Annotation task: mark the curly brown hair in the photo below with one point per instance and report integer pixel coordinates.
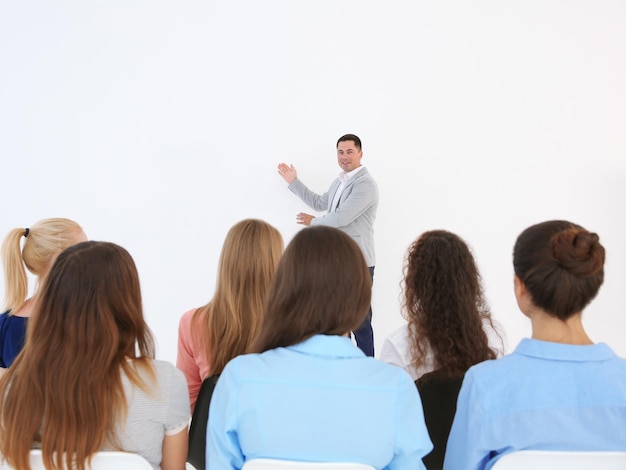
(444, 304)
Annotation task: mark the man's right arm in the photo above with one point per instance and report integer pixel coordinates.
(310, 198)
(288, 172)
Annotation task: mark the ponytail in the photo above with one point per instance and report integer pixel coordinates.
(15, 280)
(44, 241)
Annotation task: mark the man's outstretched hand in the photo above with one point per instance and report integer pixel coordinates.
(288, 172)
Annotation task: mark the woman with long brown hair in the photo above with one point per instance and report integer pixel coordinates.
(86, 379)
(210, 336)
(309, 393)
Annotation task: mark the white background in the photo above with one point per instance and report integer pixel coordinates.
(158, 125)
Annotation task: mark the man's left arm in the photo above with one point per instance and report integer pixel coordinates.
(362, 195)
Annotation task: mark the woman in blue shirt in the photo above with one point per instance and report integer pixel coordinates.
(309, 394)
(43, 242)
(557, 390)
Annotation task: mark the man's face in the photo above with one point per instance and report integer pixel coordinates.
(348, 155)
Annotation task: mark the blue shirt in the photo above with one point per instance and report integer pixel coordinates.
(321, 400)
(543, 396)
(12, 337)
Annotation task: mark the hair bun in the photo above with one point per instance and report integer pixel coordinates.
(578, 251)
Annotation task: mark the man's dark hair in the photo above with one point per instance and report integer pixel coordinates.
(352, 137)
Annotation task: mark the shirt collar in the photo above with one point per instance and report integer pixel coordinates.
(328, 345)
(564, 352)
(345, 177)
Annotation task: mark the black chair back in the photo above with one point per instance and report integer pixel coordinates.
(197, 431)
(439, 394)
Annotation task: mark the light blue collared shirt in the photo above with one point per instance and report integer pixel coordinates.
(320, 400)
(543, 396)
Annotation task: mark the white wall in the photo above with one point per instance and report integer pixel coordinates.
(157, 125)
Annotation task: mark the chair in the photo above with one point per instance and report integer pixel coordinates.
(100, 461)
(197, 430)
(272, 464)
(552, 459)
(439, 393)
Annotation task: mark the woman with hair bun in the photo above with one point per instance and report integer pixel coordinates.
(42, 244)
(557, 390)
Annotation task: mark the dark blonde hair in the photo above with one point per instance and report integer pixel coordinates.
(444, 304)
(230, 321)
(65, 387)
(42, 243)
(322, 286)
(561, 264)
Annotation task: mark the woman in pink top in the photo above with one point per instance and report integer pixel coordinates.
(210, 336)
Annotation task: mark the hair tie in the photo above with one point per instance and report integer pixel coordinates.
(26, 232)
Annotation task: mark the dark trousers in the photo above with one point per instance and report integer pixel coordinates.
(364, 334)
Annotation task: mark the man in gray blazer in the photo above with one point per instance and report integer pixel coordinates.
(350, 204)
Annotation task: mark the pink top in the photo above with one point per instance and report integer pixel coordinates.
(191, 359)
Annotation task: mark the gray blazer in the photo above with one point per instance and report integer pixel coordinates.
(355, 213)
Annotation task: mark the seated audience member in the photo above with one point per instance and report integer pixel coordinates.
(210, 336)
(399, 348)
(42, 244)
(309, 394)
(447, 317)
(557, 390)
(86, 379)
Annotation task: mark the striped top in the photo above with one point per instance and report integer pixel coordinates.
(165, 411)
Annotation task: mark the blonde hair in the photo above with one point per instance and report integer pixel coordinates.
(87, 330)
(227, 325)
(43, 243)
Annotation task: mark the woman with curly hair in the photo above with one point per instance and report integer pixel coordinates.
(448, 318)
(445, 306)
(558, 390)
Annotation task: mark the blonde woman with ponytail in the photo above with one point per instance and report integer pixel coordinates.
(43, 242)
